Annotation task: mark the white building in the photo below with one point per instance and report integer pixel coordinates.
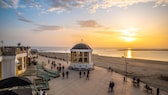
(81, 57)
(13, 61)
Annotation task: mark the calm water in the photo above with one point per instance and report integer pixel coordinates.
(159, 55)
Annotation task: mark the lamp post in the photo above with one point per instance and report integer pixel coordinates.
(2, 45)
(125, 60)
(66, 56)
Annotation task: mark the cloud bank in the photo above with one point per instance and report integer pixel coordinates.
(89, 23)
(68, 5)
(40, 28)
(23, 19)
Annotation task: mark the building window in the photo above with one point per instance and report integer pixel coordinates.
(86, 54)
(80, 59)
(85, 60)
(24, 62)
(20, 64)
(20, 67)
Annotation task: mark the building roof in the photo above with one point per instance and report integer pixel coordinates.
(81, 46)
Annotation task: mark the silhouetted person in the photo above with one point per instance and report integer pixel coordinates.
(48, 61)
(67, 73)
(138, 80)
(109, 69)
(51, 67)
(63, 68)
(133, 78)
(87, 76)
(54, 65)
(80, 73)
(60, 68)
(57, 68)
(84, 73)
(110, 85)
(44, 92)
(88, 72)
(63, 75)
(157, 91)
(124, 79)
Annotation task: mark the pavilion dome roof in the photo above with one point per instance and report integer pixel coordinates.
(81, 46)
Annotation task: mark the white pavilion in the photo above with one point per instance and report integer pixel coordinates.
(81, 57)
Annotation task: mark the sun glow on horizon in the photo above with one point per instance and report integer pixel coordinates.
(128, 39)
(129, 34)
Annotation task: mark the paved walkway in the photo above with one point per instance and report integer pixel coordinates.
(96, 85)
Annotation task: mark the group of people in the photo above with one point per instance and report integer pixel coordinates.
(84, 72)
(136, 81)
(111, 86)
(63, 74)
(53, 65)
(60, 68)
(147, 87)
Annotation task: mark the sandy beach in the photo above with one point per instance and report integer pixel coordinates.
(148, 71)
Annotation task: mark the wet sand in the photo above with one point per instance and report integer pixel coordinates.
(147, 70)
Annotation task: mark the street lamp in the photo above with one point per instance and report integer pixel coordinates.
(125, 60)
(66, 55)
(2, 44)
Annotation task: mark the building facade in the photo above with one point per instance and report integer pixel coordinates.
(81, 57)
(13, 61)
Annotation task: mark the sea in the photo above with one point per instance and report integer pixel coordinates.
(148, 54)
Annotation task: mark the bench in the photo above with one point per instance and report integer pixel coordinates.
(135, 83)
(148, 89)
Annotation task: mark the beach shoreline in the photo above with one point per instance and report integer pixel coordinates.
(149, 71)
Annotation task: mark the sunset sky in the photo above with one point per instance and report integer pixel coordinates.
(99, 23)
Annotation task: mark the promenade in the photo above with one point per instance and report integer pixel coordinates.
(97, 84)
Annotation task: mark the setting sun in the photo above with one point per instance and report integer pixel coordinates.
(128, 39)
(128, 35)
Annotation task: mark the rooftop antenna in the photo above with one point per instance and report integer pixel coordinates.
(2, 42)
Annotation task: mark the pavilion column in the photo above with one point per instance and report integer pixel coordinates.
(82, 57)
(22, 58)
(90, 57)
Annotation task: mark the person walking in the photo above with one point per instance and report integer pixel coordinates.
(67, 73)
(88, 72)
(80, 73)
(63, 75)
(62, 68)
(43, 92)
(84, 73)
(112, 86)
(124, 79)
(48, 61)
(157, 91)
(87, 76)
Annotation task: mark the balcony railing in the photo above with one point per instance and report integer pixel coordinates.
(6, 51)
